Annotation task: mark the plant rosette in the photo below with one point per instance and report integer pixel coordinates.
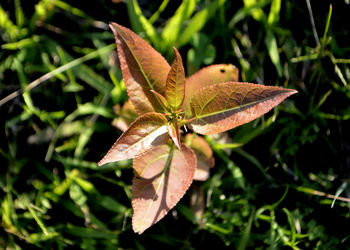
(210, 101)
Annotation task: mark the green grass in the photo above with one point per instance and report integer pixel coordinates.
(279, 181)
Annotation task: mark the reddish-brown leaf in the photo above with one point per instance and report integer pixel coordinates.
(175, 84)
(174, 132)
(143, 69)
(126, 115)
(163, 102)
(204, 155)
(162, 177)
(147, 132)
(208, 76)
(224, 106)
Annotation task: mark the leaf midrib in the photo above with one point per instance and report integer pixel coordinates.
(137, 61)
(161, 181)
(146, 137)
(231, 109)
(177, 101)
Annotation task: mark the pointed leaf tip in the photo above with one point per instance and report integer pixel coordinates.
(162, 177)
(223, 106)
(164, 103)
(175, 83)
(143, 69)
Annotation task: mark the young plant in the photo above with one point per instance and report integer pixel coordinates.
(210, 101)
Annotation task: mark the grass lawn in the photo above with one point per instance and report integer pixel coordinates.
(280, 181)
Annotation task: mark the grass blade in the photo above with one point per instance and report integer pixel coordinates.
(59, 70)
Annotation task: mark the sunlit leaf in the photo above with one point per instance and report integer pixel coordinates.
(208, 76)
(272, 48)
(224, 106)
(254, 9)
(143, 69)
(163, 102)
(274, 14)
(147, 132)
(162, 177)
(204, 155)
(174, 132)
(175, 84)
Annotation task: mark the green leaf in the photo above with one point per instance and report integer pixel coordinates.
(7, 25)
(156, 14)
(77, 195)
(24, 43)
(175, 83)
(246, 11)
(162, 177)
(257, 13)
(243, 243)
(224, 106)
(62, 187)
(274, 14)
(172, 29)
(20, 19)
(143, 69)
(140, 23)
(198, 21)
(147, 132)
(271, 44)
(91, 108)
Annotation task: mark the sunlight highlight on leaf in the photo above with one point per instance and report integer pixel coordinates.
(143, 69)
(147, 132)
(175, 83)
(224, 106)
(208, 76)
(162, 177)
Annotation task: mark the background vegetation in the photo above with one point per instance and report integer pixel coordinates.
(275, 178)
